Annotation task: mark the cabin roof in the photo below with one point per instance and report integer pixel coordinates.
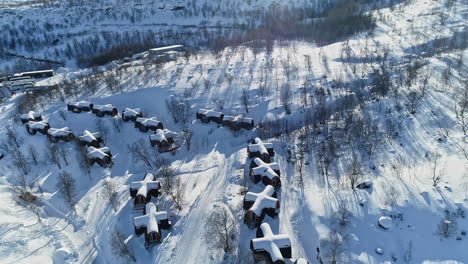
(262, 200)
(64, 131)
(107, 107)
(89, 136)
(209, 112)
(99, 153)
(132, 112)
(148, 183)
(150, 219)
(81, 104)
(158, 136)
(37, 124)
(30, 115)
(259, 146)
(167, 48)
(152, 121)
(261, 163)
(271, 243)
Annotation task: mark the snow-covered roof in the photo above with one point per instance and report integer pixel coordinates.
(132, 112)
(229, 118)
(147, 184)
(81, 104)
(99, 153)
(261, 163)
(259, 146)
(37, 124)
(89, 136)
(166, 48)
(246, 119)
(150, 219)
(158, 136)
(271, 243)
(152, 121)
(57, 132)
(262, 200)
(265, 170)
(107, 107)
(385, 222)
(30, 115)
(209, 112)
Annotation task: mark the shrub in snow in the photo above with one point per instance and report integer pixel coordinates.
(364, 185)
(385, 222)
(446, 227)
(379, 251)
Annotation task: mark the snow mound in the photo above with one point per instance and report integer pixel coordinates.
(385, 222)
(62, 255)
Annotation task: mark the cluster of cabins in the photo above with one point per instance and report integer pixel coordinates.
(164, 139)
(266, 246)
(152, 221)
(234, 123)
(95, 152)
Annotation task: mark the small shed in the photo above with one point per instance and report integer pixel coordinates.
(57, 134)
(37, 126)
(259, 149)
(30, 116)
(207, 116)
(90, 139)
(260, 204)
(145, 124)
(108, 109)
(101, 156)
(129, 114)
(270, 247)
(78, 107)
(151, 224)
(142, 190)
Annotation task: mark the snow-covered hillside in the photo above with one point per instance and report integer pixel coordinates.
(387, 108)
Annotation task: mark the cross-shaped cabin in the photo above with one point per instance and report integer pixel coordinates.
(30, 116)
(261, 150)
(90, 139)
(164, 139)
(129, 114)
(273, 248)
(145, 124)
(77, 107)
(101, 156)
(142, 191)
(57, 134)
(101, 110)
(151, 223)
(259, 204)
(268, 173)
(207, 116)
(40, 126)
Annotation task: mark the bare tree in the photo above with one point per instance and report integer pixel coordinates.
(20, 161)
(12, 136)
(221, 229)
(245, 99)
(447, 226)
(66, 186)
(354, 170)
(110, 190)
(334, 247)
(63, 151)
(53, 153)
(33, 154)
(171, 184)
(342, 215)
(285, 97)
(25, 195)
(82, 157)
(120, 245)
(437, 168)
(187, 135)
(102, 129)
(141, 153)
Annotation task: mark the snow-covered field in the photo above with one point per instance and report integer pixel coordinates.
(215, 169)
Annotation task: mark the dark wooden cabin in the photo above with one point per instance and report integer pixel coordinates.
(31, 116)
(40, 126)
(37, 74)
(90, 139)
(164, 139)
(235, 123)
(207, 116)
(129, 114)
(246, 123)
(151, 224)
(78, 107)
(145, 124)
(269, 247)
(266, 174)
(101, 156)
(102, 110)
(259, 149)
(260, 204)
(142, 190)
(57, 134)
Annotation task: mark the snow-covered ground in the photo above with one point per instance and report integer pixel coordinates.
(215, 169)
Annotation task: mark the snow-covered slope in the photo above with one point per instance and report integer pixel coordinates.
(408, 143)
